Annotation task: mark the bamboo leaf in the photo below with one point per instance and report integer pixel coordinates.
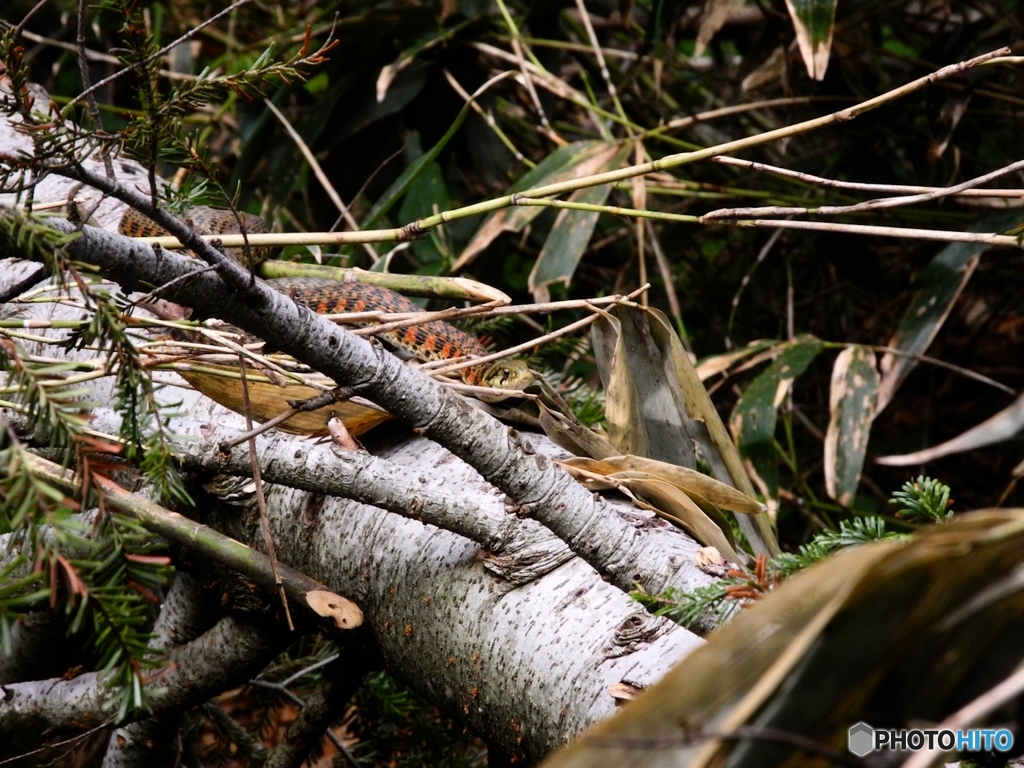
(753, 419)
(1005, 425)
(851, 404)
(572, 161)
(572, 230)
(938, 287)
(688, 480)
(888, 632)
(814, 23)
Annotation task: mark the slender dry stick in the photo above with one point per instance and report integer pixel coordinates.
(222, 342)
(517, 49)
(572, 327)
(20, 29)
(94, 55)
(261, 499)
(551, 83)
(867, 205)
(666, 276)
(565, 45)
(603, 66)
(966, 372)
(972, 713)
(322, 400)
(91, 105)
(714, 114)
(158, 54)
(761, 256)
(320, 175)
(640, 201)
(534, 196)
(820, 181)
(940, 235)
(488, 117)
(446, 314)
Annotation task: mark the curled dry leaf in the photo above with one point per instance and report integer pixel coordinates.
(568, 433)
(657, 407)
(671, 503)
(688, 480)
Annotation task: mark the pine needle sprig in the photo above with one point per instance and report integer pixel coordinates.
(924, 500)
(703, 604)
(111, 590)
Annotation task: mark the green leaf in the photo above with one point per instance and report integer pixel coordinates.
(753, 419)
(851, 404)
(582, 158)
(814, 22)
(572, 230)
(939, 286)
(427, 196)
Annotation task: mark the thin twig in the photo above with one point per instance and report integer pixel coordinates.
(488, 117)
(517, 50)
(602, 65)
(868, 205)
(971, 713)
(714, 114)
(965, 372)
(261, 500)
(94, 55)
(571, 328)
(761, 256)
(320, 175)
(666, 277)
(941, 235)
(821, 181)
(687, 158)
(91, 105)
(20, 29)
(315, 403)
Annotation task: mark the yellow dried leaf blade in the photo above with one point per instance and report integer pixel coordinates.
(898, 632)
(267, 400)
(595, 481)
(688, 480)
(644, 405)
(703, 689)
(1005, 425)
(573, 436)
(715, 364)
(670, 502)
